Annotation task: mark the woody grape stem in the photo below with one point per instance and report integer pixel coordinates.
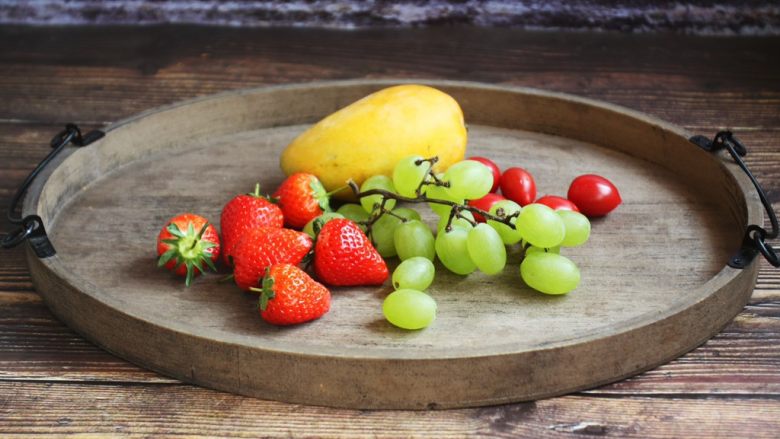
(422, 198)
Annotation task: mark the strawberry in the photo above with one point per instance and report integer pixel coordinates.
(185, 243)
(302, 198)
(344, 256)
(243, 213)
(289, 296)
(263, 247)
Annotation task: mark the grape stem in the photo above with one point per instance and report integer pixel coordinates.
(436, 181)
(378, 213)
(455, 212)
(457, 208)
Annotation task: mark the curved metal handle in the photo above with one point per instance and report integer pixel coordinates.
(754, 240)
(31, 227)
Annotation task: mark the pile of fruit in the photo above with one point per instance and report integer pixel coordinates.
(265, 240)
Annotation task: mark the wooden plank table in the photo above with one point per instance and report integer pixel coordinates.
(53, 381)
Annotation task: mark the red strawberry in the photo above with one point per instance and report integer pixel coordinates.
(344, 256)
(185, 243)
(243, 213)
(302, 198)
(264, 246)
(289, 296)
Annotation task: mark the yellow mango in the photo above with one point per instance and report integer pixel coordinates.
(369, 136)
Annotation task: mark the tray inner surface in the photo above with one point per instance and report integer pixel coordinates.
(662, 242)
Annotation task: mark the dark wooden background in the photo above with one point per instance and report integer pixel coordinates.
(53, 381)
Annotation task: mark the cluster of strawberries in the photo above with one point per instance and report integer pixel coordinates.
(262, 244)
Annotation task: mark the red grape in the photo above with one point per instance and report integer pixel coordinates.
(594, 195)
(493, 168)
(518, 185)
(485, 203)
(557, 203)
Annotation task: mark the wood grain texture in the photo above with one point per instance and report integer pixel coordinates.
(494, 339)
(193, 412)
(171, 64)
(699, 83)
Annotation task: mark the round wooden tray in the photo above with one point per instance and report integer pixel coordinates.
(655, 281)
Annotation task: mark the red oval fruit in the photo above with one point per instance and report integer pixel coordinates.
(594, 195)
(518, 185)
(557, 203)
(485, 203)
(493, 168)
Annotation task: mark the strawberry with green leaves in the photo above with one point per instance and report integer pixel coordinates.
(302, 198)
(289, 296)
(187, 244)
(262, 247)
(344, 256)
(243, 213)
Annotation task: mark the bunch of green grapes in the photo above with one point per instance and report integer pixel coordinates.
(461, 244)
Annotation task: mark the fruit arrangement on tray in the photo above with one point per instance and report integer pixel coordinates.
(401, 145)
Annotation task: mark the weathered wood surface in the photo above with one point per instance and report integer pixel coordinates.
(494, 341)
(168, 410)
(700, 83)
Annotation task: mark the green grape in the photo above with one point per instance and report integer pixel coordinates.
(469, 179)
(577, 228)
(540, 226)
(414, 238)
(324, 218)
(352, 211)
(441, 193)
(532, 249)
(415, 273)
(508, 234)
(486, 249)
(382, 233)
(408, 175)
(376, 182)
(549, 273)
(460, 223)
(383, 230)
(451, 248)
(407, 213)
(409, 309)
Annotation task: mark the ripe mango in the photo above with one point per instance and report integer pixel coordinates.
(370, 135)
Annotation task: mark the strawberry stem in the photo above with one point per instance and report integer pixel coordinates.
(202, 230)
(337, 190)
(267, 291)
(319, 194)
(227, 278)
(188, 248)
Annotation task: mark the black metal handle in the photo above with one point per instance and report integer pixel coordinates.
(754, 240)
(31, 227)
